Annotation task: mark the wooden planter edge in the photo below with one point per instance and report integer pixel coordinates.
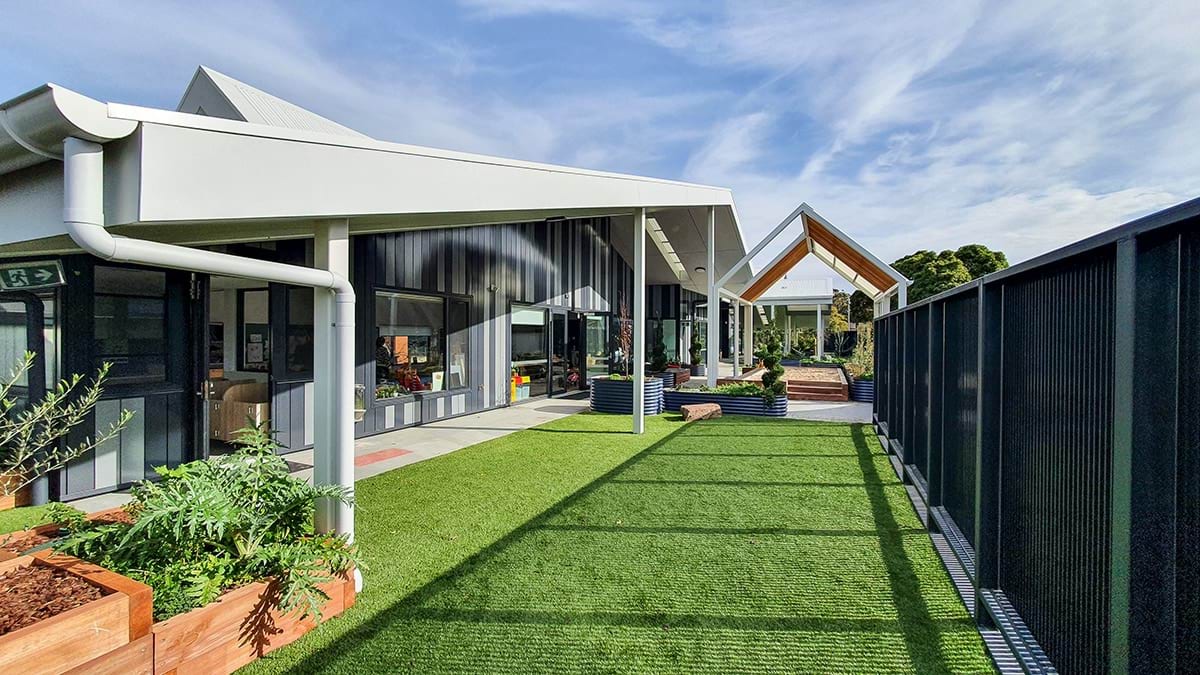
(226, 635)
(88, 633)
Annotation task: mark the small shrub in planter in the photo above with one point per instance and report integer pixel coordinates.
(614, 394)
(210, 525)
(740, 398)
(30, 439)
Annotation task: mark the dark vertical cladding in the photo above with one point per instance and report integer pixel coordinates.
(1058, 402)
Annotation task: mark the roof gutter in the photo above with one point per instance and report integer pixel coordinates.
(51, 121)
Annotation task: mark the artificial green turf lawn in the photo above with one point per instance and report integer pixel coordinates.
(738, 544)
(20, 518)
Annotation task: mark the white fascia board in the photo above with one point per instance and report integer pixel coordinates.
(267, 177)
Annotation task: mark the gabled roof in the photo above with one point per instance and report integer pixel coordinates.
(215, 94)
(833, 247)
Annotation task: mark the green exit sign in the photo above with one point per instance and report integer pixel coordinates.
(26, 276)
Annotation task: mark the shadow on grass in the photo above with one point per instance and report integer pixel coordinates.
(916, 627)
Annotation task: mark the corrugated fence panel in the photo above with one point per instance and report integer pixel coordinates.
(960, 378)
(1056, 450)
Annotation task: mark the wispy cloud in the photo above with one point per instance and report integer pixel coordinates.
(1021, 124)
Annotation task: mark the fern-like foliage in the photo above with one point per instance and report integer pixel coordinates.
(211, 525)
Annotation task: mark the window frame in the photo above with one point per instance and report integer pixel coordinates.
(445, 298)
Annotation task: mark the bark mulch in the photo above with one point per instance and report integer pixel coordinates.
(35, 592)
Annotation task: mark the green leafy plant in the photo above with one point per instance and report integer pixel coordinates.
(211, 525)
(390, 390)
(695, 348)
(30, 439)
(804, 341)
(861, 363)
(658, 357)
(730, 389)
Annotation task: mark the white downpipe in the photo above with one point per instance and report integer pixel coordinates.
(820, 346)
(83, 215)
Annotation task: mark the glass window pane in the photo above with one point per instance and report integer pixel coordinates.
(300, 330)
(458, 344)
(409, 343)
(255, 308)
(129, 327)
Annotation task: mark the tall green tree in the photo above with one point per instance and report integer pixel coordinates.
(862, 308)
(981, 260)
(931, 273)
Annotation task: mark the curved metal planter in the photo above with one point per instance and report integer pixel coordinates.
(862, 390)
(730, 405)
(616, 396)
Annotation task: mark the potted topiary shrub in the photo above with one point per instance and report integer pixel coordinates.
(697, 367)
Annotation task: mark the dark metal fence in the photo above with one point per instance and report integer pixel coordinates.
(1049, 414)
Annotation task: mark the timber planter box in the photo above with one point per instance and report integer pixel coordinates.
(730, 405)
(108, 635)
(241, 626)
(616, 396)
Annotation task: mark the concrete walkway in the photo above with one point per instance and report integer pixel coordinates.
(376, 454)
(850, 412)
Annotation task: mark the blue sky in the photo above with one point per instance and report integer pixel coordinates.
(1021, 125)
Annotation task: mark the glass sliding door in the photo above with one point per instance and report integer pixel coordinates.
(595, 345)
(530, 342)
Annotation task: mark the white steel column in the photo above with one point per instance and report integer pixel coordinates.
(787, 335)
(712, 338)
(639, 321)
(820, 350)
(748, 340)
(737, 333)
(333, 457)
(901, 295)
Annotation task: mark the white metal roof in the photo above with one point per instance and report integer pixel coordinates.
(195, 179)
(217, 95)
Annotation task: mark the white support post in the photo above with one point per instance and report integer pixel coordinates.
(639, 321)
(748, 340)
(333, 447)
(902, 295)
(820, 334)
(712, 339)
(737, 332)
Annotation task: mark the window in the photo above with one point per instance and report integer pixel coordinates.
(299, 359)
(458, 343)
(130, 324)
(254, 323)
(414, 351)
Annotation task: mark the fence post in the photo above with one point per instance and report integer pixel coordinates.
(934, 421)
(988, 443)
(1124, 350)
